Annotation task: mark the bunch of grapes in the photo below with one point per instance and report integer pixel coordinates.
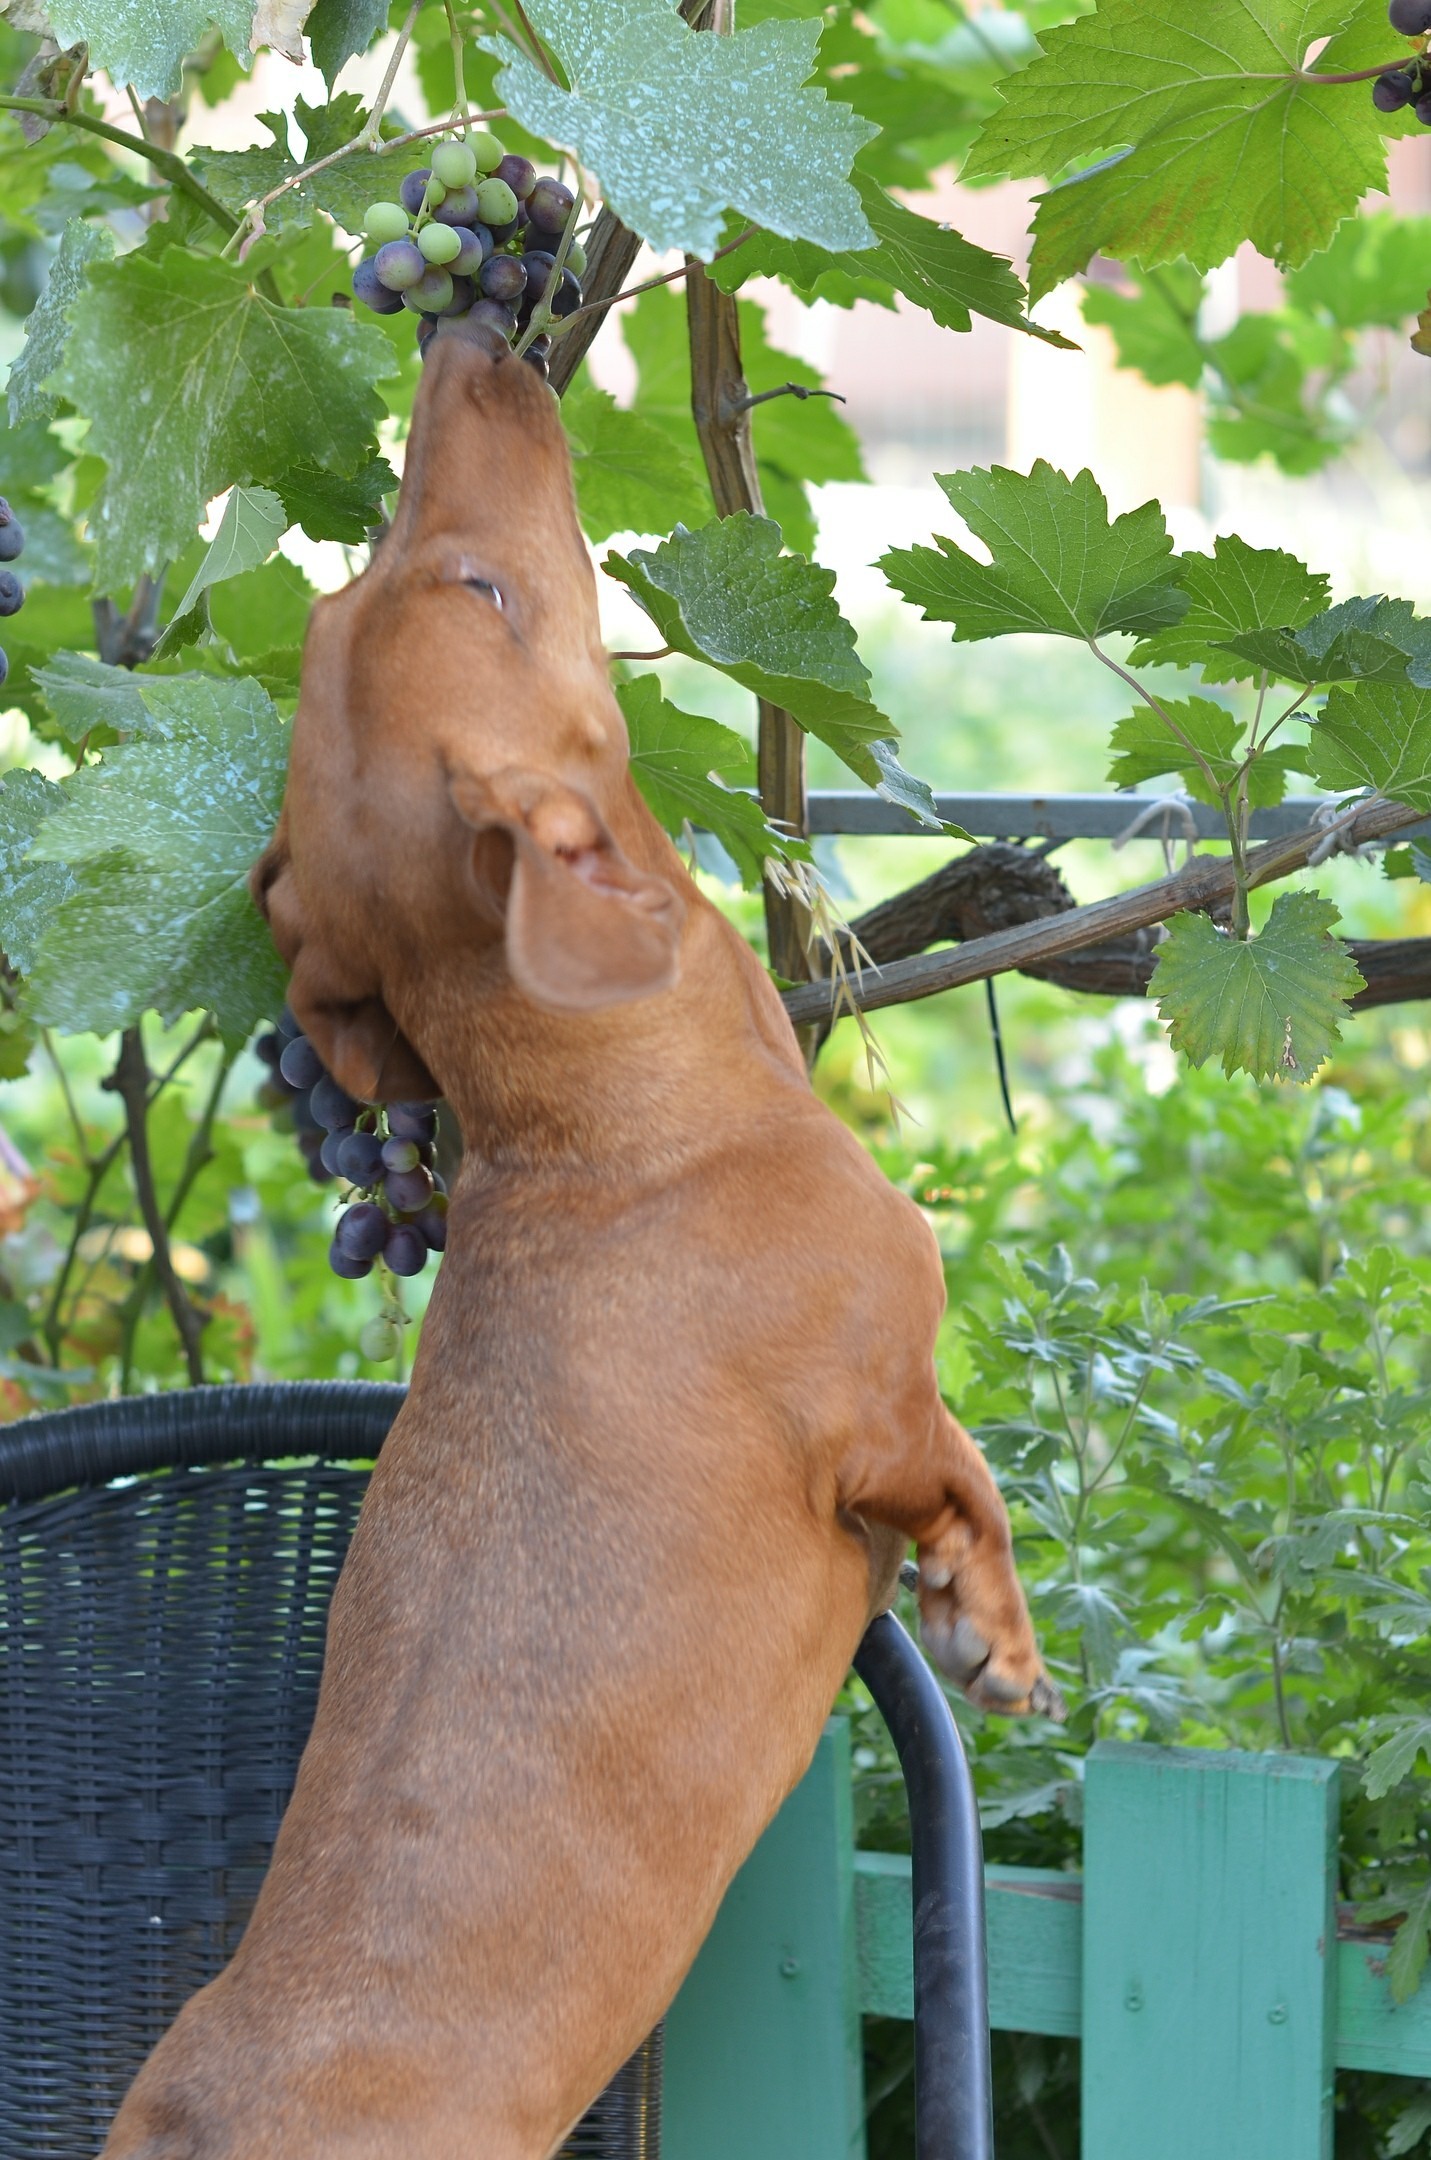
(1409, 85)
(12, 592)
(396, 1206)
(474, 234)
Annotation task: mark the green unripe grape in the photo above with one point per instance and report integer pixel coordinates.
(454, 164)
(385, 221)
(440, 243)
(431, 294)
(496, 204)
(487, 152)
(436, 193)
(576, 258)
(380, 1340)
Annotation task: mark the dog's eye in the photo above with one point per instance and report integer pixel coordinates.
(486, 587)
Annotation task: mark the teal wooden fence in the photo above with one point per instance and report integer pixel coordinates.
(1200, 1958)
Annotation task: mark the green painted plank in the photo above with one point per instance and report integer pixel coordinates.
(1373, 2032)
(1034, 1925)
(1208, 1987)
(763, 2056)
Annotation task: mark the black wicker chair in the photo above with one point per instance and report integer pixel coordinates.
(165, 1567)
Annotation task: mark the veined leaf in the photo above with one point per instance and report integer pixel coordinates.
(336, 506)
(629, 475)
(147, 45)
(1231, 593)
(193, 381)
(1154, 326)
(1375, 735)
(1145, 748)
(253, 523)
(1229, 141)
(30, 892)
(1059, 565)
(1272, 1005)
(1375, 640)
(338, 30)
(1373, 272)
(1396, 1757)
(47, 327)
(86, 696)
(679, 128)
(343, 191)
(674, 759)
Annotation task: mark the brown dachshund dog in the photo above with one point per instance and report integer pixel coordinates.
(674, 1418)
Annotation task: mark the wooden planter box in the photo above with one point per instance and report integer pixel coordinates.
(1197, 1958)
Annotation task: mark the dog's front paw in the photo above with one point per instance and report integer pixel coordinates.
(976, 1627)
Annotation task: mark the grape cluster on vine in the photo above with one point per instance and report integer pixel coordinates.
(1409, 85)
(12, 592)
(476, 234)
(396, 1207)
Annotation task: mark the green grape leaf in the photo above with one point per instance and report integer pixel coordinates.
(30, 892)
(336, 506)
(1371, 639)
(46, 326)
(1229, 140)
(338, 30)
(1059, 566)
(84, 696)
(1374, 735)
(726, 595)
(343, 191)
(675, 757)
(253, 523)
(678, 127)
(1272, 1005)
(263, 612)
(31, 458)
(138, 43)
(629, 475)
(1373, 273)
(160, 837)
(192, 381)
(1154, 324)
(948, 276)
(1144, 748)
(1235, 591)
(1274, 380)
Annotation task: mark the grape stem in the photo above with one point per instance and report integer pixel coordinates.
(667, 277)
(662, 652)
(541, 315)
(1388, 67)
(459, 70)
(790, 389)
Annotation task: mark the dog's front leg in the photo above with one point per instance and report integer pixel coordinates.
(974, 1616)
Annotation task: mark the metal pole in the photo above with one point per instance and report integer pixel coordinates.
(953, 2079)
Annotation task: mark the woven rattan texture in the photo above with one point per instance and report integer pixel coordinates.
(161, 1639)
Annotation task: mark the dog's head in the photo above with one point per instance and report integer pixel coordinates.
(459, 789)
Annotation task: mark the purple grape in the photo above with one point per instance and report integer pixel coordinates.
(370, 289)
(332, 1148)
(12, 593)
(311, 1147)
(304, 1123)
(414, 189)
(539, 348)
(400, 264)
(501, 234)
(464, 292)
(400, 1154)
(287, 1026)
(1411, 17)
(459, 207)
(362, 1230)
(301, 1065)
(426, 332)
(412, 1121)
(519, 173)
(538, 267)
(567, 297)
(495, 317)
(333, 1105)
(1422, 109)
(503, 278)
(408, 1190)
(360, 1159)
(431, 294)
(405, 1249)
(476, 249)
(345, 1266)
(432, 1222)
(536, 361)
(269, 1047)
(549, 205)
(12, 533)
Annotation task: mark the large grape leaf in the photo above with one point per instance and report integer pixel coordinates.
(30, 892)
(1059, 565)
(1228, 139)
(1144, 748)
(340, 29)
(629, 475)
(726, 595)
(1373, 273)
(1234, 592)
(193, 381)
(160, 838)
(1375, 735)
(31, 459)
(1366, 639)
(937, 268)
(675, 759)
(86, 697)
(46, 327)
(145, 42)
(1271, 1006)
(253, 523)
(679, 127)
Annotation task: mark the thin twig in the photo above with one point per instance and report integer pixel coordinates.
(1387, 67)
(540, 318)
(131, 1083)
(459, 68)
(790, 389)
(667, 277)
(138, 111)
(1201, 884)
(663, 653)
(199, 1155)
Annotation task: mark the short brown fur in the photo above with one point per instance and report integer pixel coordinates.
(675, 1414)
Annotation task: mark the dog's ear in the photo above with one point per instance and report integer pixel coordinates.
(355, 1035)
(584, 927)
